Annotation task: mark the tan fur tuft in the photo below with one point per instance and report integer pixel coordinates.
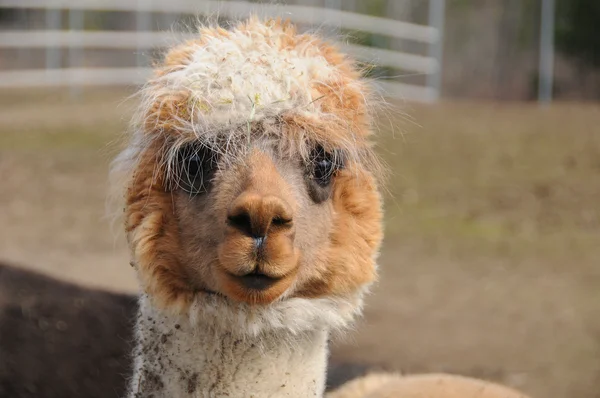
(387, 385)
(153, 237)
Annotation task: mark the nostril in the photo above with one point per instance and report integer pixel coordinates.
(241, 221)
(256, 215)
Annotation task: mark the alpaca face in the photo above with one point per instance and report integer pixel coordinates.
(253, 176)
(258, 224)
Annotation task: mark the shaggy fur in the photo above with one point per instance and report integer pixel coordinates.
(227, 91)
(177, 359)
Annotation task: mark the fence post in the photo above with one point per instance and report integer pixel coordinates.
(546, 67)
(437, 10)
(23, 54)
(143, 23)
(75, 51)
(334, 23)
(53, 23)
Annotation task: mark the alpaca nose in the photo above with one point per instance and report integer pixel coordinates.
(257, 215)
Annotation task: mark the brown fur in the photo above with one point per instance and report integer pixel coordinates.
(152, 235)
(183, 246)
(60, 340)
(348, 262)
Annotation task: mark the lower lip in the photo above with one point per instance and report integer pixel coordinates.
(256, 281)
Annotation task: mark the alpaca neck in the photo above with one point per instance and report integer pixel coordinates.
(177, 358)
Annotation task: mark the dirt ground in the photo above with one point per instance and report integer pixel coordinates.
(490, 265)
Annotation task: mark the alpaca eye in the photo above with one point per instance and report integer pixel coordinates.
(322, 168)
(197, 166)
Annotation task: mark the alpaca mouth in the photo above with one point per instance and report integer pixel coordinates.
(258, 284)
(256, 280)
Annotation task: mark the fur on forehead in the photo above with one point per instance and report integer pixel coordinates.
(227, 85)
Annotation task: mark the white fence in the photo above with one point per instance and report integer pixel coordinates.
(76, 39)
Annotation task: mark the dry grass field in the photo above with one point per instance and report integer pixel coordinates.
(491, 263)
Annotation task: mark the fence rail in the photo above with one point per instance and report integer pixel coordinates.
(146, 40)
(78, 39)
(73, 77)
(236, 9)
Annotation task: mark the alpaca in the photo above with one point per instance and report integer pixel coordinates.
(60, 340)
(389, 385)
(252, 212)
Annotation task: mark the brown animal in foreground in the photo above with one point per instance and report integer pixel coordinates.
(61, 340)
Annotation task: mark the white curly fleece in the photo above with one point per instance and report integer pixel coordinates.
(176, 359)
(248, 76)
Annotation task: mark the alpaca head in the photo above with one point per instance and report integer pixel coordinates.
(252, 177)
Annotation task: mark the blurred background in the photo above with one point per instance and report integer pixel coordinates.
(491, 261)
